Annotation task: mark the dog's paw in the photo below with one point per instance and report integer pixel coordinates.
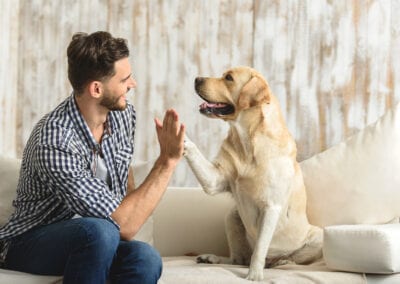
(208, 258)
(187, 146)
(255, 274)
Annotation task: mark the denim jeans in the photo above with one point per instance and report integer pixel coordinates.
(84, 250)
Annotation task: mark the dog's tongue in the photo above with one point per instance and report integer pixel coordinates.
(216, 109)
(211, 105)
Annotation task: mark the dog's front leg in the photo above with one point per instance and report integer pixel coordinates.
(209, 176)
(267, 222)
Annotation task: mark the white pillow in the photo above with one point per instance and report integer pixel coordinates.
(357, 181)
(9, 172)
(363, 248)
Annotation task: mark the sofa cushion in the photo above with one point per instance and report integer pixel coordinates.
(140, 171)
(9, 172)
(188, 220)
(178, 270)
(358, 180)
(10, 276)
(363, 248)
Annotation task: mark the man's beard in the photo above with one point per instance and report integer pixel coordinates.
(111, 103)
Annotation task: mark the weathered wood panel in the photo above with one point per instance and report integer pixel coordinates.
(334, 65)
(187, 38)
(46, 28)
(8, 76)
(331, 63)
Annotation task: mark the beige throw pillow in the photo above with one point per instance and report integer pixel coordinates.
(357, 181)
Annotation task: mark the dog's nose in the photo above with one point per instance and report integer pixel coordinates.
(198, 81)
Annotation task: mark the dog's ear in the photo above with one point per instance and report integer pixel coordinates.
(255, 92)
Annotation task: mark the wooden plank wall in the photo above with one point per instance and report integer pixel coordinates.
(8, 76)
(334, 65)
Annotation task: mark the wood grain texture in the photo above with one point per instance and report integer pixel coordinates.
(334, 65)
(8, 77)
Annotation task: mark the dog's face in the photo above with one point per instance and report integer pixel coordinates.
(238, 89)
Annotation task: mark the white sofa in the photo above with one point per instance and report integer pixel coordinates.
(353, 192)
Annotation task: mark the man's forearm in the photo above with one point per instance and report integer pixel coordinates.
(139, 204)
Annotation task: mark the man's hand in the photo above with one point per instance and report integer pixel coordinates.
(139, 204)
(170, 135)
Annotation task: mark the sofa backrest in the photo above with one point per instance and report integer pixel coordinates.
(188, 220)
(9, 170)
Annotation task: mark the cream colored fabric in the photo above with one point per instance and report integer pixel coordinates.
(184, 270)
(188, 220)
(145, 233)
(9, 170)
(15, 277)
(357, 181)
(363, 248)
(140, 171)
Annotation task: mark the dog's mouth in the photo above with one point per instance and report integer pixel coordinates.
(217, 109)
(211, 108)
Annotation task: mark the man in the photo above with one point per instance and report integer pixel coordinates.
(76, 210)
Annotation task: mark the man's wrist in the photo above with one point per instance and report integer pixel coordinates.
(166, 163)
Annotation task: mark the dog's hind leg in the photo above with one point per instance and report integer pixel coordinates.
(312, 249)
(240, 250)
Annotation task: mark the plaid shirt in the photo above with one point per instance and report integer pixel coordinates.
(57, 178)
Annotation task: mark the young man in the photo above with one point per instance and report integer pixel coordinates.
(76, 210)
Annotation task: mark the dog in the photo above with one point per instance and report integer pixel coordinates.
(257, 164)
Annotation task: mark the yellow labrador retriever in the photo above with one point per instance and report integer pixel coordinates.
(257, 165)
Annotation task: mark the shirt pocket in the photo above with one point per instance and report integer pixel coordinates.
(122, 160)
(124, 155)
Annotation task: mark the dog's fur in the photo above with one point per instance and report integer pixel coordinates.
(257, 164)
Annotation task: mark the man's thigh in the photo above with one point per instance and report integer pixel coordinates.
(45, 250)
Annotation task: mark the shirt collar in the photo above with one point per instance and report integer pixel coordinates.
(80, 122)
(111, 124)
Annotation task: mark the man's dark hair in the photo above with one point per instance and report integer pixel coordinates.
(91, 57)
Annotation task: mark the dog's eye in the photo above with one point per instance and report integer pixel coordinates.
(228, 77)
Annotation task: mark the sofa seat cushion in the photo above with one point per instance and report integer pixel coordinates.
(10, 276)
(186, 270)
(363, 248)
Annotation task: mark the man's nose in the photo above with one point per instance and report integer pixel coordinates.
(132, 84)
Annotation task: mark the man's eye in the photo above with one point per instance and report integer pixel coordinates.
(229, 77)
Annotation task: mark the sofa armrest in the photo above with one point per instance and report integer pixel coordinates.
(187, 220)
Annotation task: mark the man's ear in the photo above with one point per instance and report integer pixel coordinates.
(95, 89)
(254, 92)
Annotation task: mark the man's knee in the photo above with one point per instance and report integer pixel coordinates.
(99, 234)
(144, 261)
(149, 255)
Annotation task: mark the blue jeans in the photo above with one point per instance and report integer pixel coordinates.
(84, 250)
